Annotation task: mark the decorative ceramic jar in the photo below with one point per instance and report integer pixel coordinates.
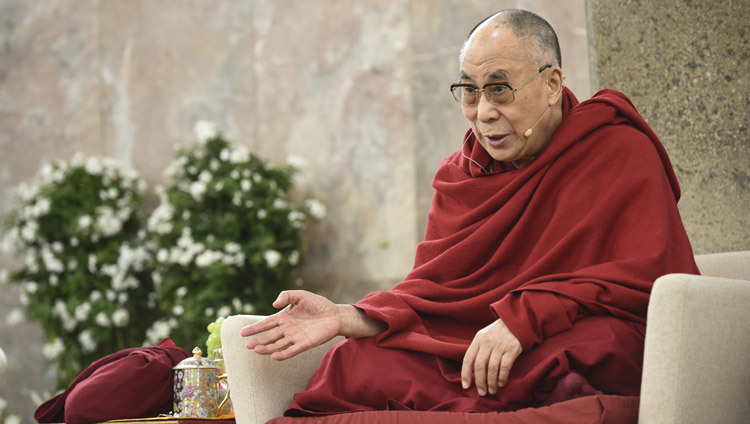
(196, 387)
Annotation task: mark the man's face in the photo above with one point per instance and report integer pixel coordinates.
(494, 55)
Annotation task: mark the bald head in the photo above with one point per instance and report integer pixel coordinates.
(531, 31)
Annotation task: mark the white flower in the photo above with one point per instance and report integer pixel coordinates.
(57, 247)
(74, 242)
(102, 319)
(294, 258)
(235, 174)
(84, 222)
(94, 165)
(297, 162)
(224, 155)
(232, 247)
(107, 222)
(110, 295)
(237, 303)
(158, 331)
(122, 298)
(239, 155)
(272, 257)
(53, 349)
(209, 311)
(316, 208)
(88, 344)
(248, 308)
(214, 165)
(82, 311)
(246, 185)
(158, 222)
(224, 311)
(121, 317)
(178, 310)
(41, 207)
(207, 258)
(205, 177)
(181, 291)
(92, 263)
(197, 189)
(11, 242)
(46, 171)
(296, 218)
(262, 213)
(14, 317)
(28, 232)
(204, 131)
(12, 419)
(51, 262)
(53, 280)
(257, 178)
(31, 287)
(162, 255)
(95, 296)
(280, 204)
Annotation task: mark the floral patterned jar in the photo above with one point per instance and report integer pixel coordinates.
(196, 387)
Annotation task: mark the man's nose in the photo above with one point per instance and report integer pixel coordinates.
(486, 111)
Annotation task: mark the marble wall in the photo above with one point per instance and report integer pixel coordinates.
(358, 88)
(684, 65)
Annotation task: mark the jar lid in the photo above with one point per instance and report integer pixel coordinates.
(196, 362)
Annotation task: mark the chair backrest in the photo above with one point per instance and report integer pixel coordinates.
(726, 264)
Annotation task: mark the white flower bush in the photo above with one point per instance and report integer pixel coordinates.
(85, 266)
(226, 235)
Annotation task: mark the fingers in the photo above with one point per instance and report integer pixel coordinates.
(279, 345)
(282, 300)
(468, 365)
(287, 353)
(481, 366)
(493, 368)
(260, 326)
(505, 365)
(289, 297)
(268, 338)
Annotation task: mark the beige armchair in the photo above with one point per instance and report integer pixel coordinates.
(696, 364)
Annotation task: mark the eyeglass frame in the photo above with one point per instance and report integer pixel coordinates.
(495, 84)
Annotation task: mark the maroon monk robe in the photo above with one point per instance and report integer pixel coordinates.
(564, 250)
(131, 383)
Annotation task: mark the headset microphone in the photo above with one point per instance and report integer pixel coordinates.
(531, 130)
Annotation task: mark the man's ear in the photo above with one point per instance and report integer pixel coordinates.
(554, 81)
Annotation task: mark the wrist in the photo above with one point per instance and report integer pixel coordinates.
(354, 322)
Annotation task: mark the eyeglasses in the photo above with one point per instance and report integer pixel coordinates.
(498, 93)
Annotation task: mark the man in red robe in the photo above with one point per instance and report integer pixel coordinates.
(545, 234)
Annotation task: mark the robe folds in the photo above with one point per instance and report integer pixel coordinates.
(132, 383)
(564, 250)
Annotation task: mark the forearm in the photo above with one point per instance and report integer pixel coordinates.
(356, 324)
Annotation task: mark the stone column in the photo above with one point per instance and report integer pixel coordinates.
(683, 64)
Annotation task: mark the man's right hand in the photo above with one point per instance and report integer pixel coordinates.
(307, 321)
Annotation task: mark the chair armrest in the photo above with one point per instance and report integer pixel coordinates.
(695, 366)
(261, 388)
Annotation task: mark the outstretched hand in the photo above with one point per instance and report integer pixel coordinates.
(490, 356)
(308, 320)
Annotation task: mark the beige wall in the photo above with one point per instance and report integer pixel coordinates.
(359, 88)
(684, 65)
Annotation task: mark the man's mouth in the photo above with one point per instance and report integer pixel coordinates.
(496, 140)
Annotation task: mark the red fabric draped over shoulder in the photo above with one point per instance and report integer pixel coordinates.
(564, 250)
(584, 229)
